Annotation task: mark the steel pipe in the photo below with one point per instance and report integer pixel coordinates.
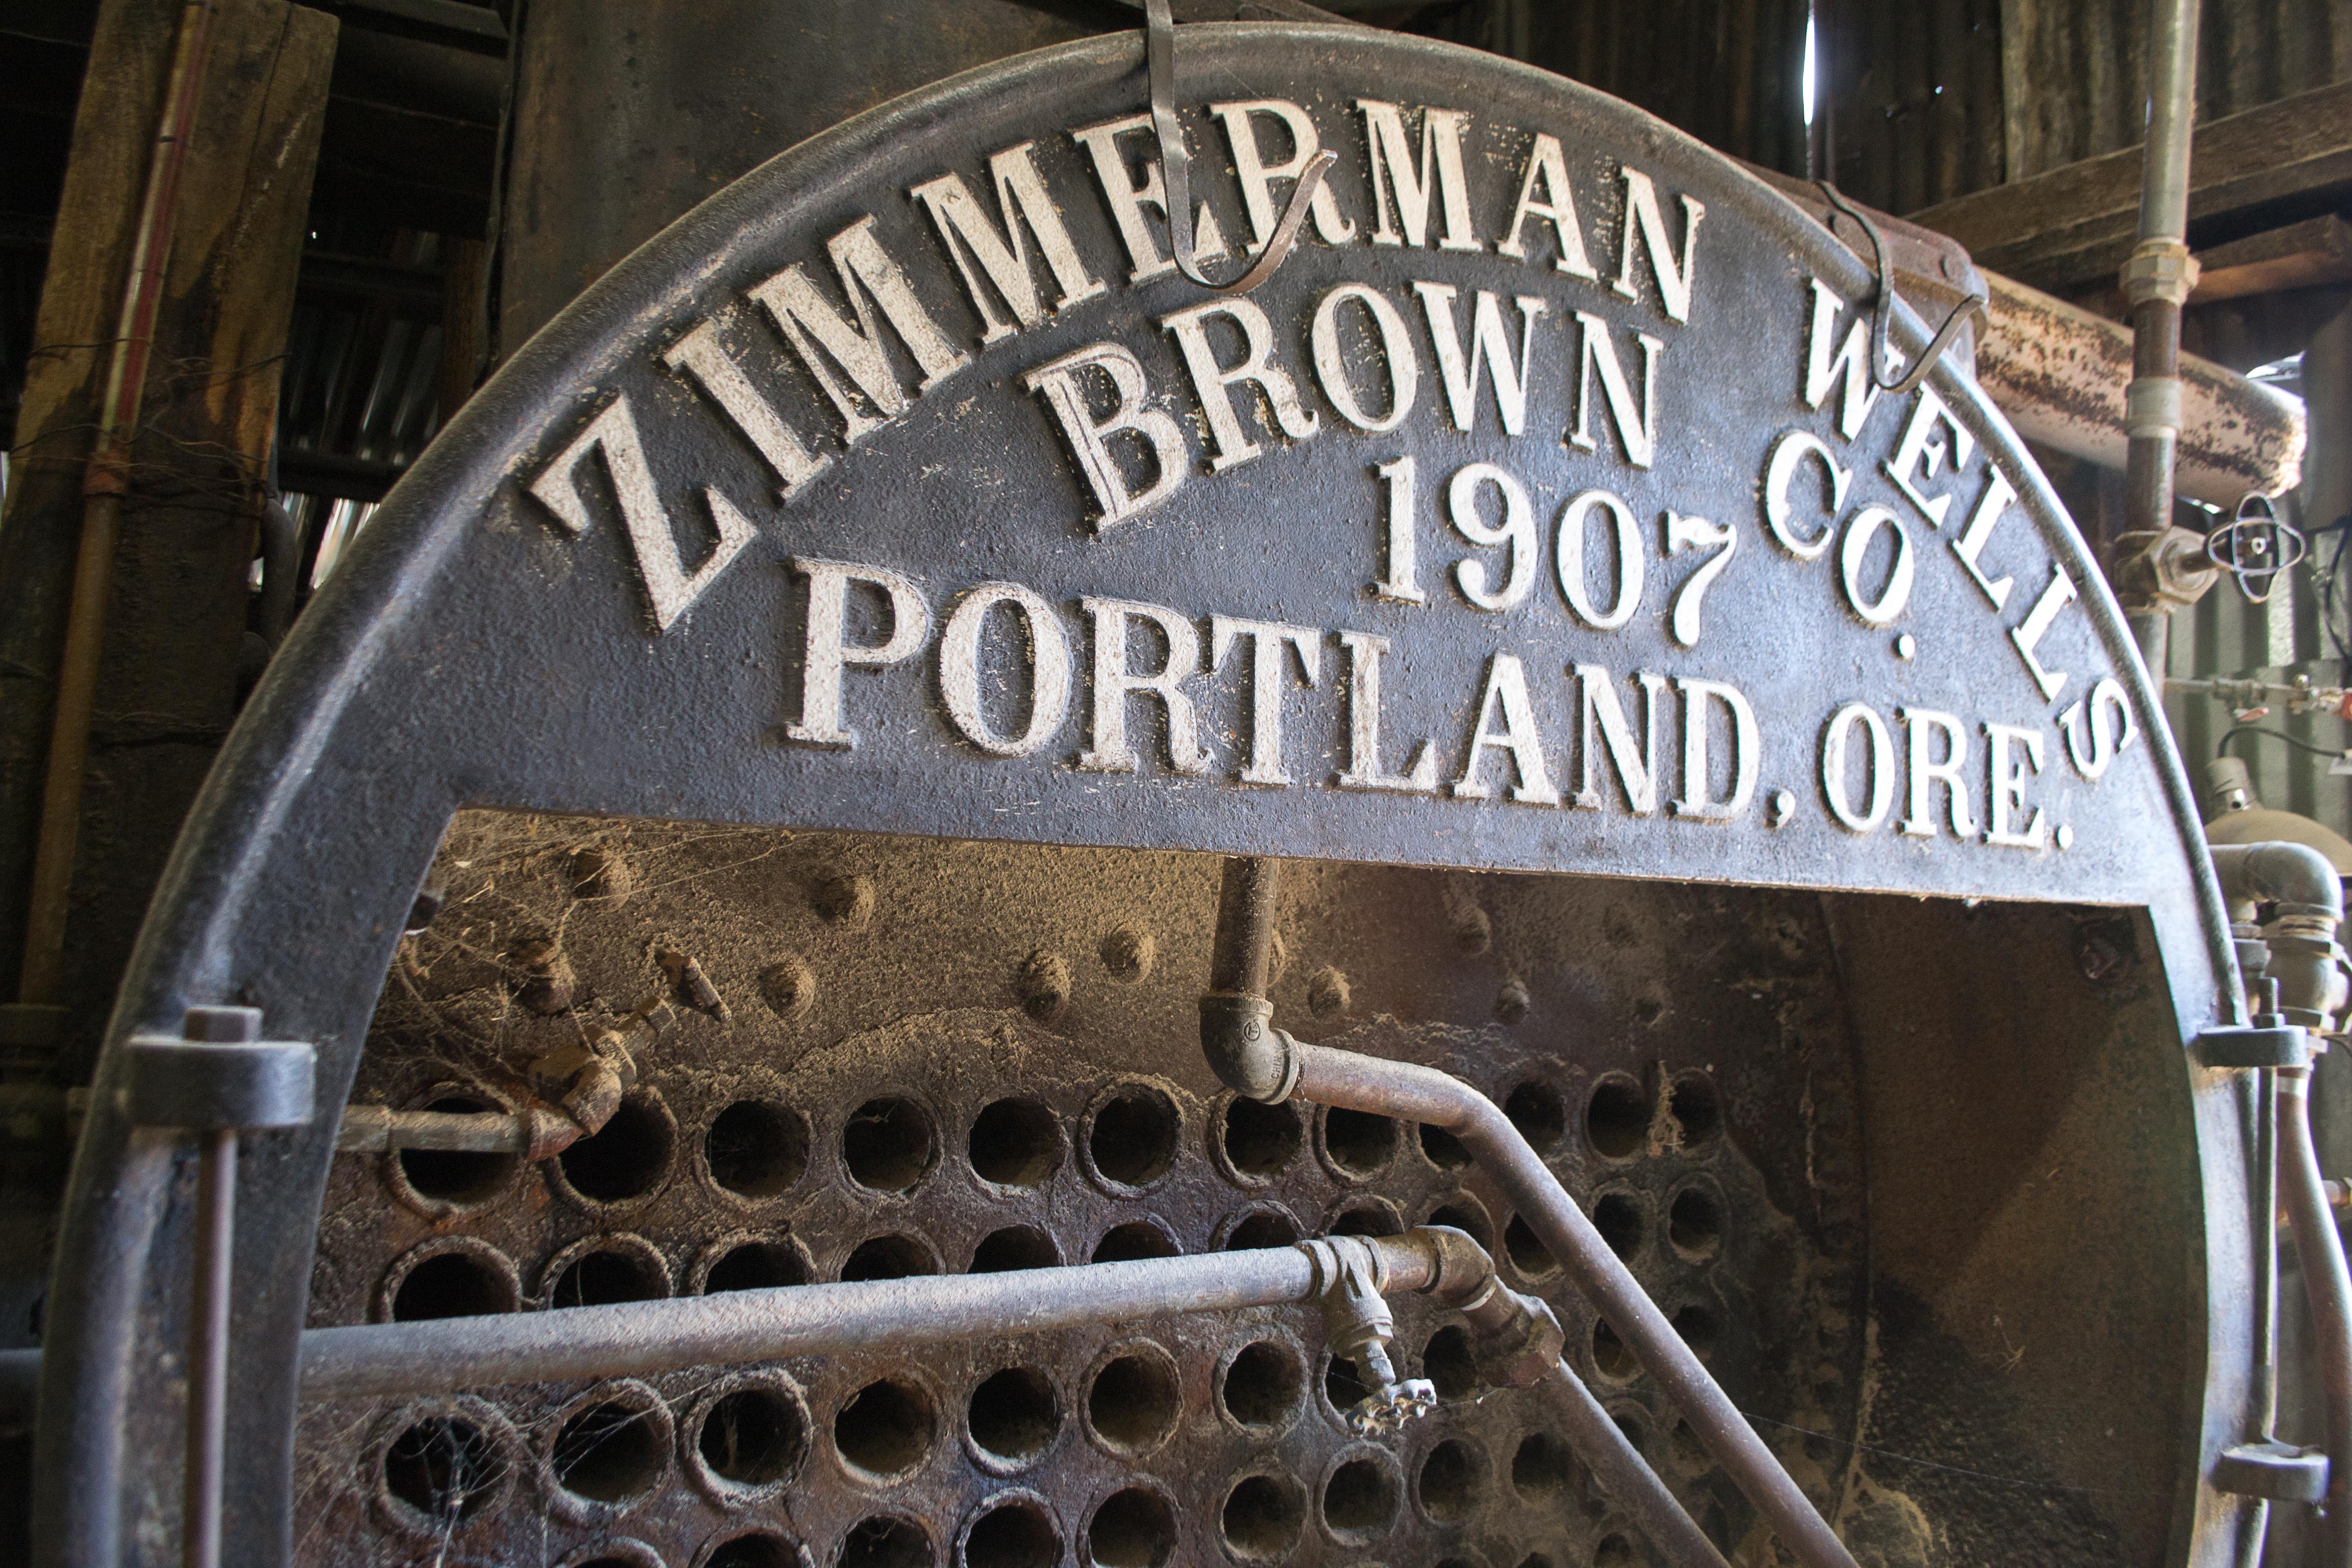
(535, 1134)
(637, 1337)
(2327, 1287)
(200, 1530)
(1625, 1475)
(1413, 1093)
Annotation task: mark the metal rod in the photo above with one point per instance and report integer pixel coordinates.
(2157, 281)
(1247, 902)
(200, 1529)
(42, 979)
(376, 1130)
(2327, 1287)
(637, 1336)
(1413, 1093)
(1626, 1476)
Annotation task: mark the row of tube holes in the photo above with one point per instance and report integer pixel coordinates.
(753, 1440)
(612, 1453)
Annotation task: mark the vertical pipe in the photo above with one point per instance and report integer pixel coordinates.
(42, 979)
(2156, 281)
(208, 1317)
(1245, 907)
(2328, 1288)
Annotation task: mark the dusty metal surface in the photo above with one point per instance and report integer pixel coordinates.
(590, 599)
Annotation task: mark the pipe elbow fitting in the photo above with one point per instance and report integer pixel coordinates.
(2302, 955)
(2280, 872)
(1246, 1052)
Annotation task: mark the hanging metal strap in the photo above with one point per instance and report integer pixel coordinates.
(1883, 308)
(1176, 167)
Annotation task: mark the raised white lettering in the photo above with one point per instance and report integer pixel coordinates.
(869, 277)
(1437, 173)
(829, 650)
(1489, 347)
(1569, 560)
(1257, 176)
(1920, 446)
(1793, 448)
(2010, 773)
(1970, 546)
(2027, 636)
(1642, 220)
(1637, 424)
(1924, 725)
(1364, 772)
(1836, 740)
(668, 585)
(2098, 728)
(1601, 720)
(703, 360)
(1211, 380)
(1398, 357)
(1695, 534)
(1090, 439)
(1877, 609)
(1746, 751)
(1114, 683)
(1505, 696)
(1266, 640)
(1516, 530)
(1049, 668)
(1128, 199)
(1001, 255)
(1849, 365)
(1399, 581)
(1548, 166)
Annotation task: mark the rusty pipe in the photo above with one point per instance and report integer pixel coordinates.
(2327, 1287)
(105, 479)
(535, 1134)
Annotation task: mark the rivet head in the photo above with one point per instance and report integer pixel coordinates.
(845, 900)
(1044, 986)
(789, 988)
(1129, 953)
(1329, 992)
(1511, 1003)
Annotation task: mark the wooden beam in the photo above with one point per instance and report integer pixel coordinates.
(2301, 255)
(2076, 224)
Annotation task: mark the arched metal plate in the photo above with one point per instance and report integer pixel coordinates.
(904, 486)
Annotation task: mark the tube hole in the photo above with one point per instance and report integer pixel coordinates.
(885, 1432)
(608, 1453)
(453, 1285)
(1542, 1469)
(1618, 1120)
(1016, 1143)
(1013, 1415)
(885, 1542)
(1358, 1144)
(1694, 1224)
(1618, 1218)
(1368, 1216)
(1528, 1253)
(756, 1266)
(1265, 1227)
(1539, 1113)
(1609, 1356)
(1360, 1501)
(444, 1468)
(626, 1158)
(758, 1550)
(1464, 1214)
(1443, 1150)
(606, 1276)
(1259, 1142)
(889, 1257)
(1614, 1552)
(1014, 1246)
(1014, 1534)
(1453, 1483)
(1135, 1239)
(1132, 1141)
(1699, 1328)
(1341, 1383)
(1696, 1109)
(757, 1149)
(1132, 1403)
(1133, 1529)
(1262, 1517)
(887, 1146)
(752, 1437)
(1262, 1386)
(451, 1176)
(1448, 1365)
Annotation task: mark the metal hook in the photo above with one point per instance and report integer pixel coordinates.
(1176, 166)
(1883, 308)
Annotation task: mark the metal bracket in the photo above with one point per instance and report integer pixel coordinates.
(220, 1076)
(1882, 308)
(2255, 1046)
(2279, 1471)
(1176, 167)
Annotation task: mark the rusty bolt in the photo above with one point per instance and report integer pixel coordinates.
(598, 872)
(543, 977)
(789, 988)
(2104, 950)
(1129, 953)
(1044, 986)
(1473, 927)
(688, 984)
(1327, 993)
(1512, 1001)
(845, 900)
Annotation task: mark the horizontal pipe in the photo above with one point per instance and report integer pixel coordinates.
(1415, 1093)
(377, 1130)
(635, 1337)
